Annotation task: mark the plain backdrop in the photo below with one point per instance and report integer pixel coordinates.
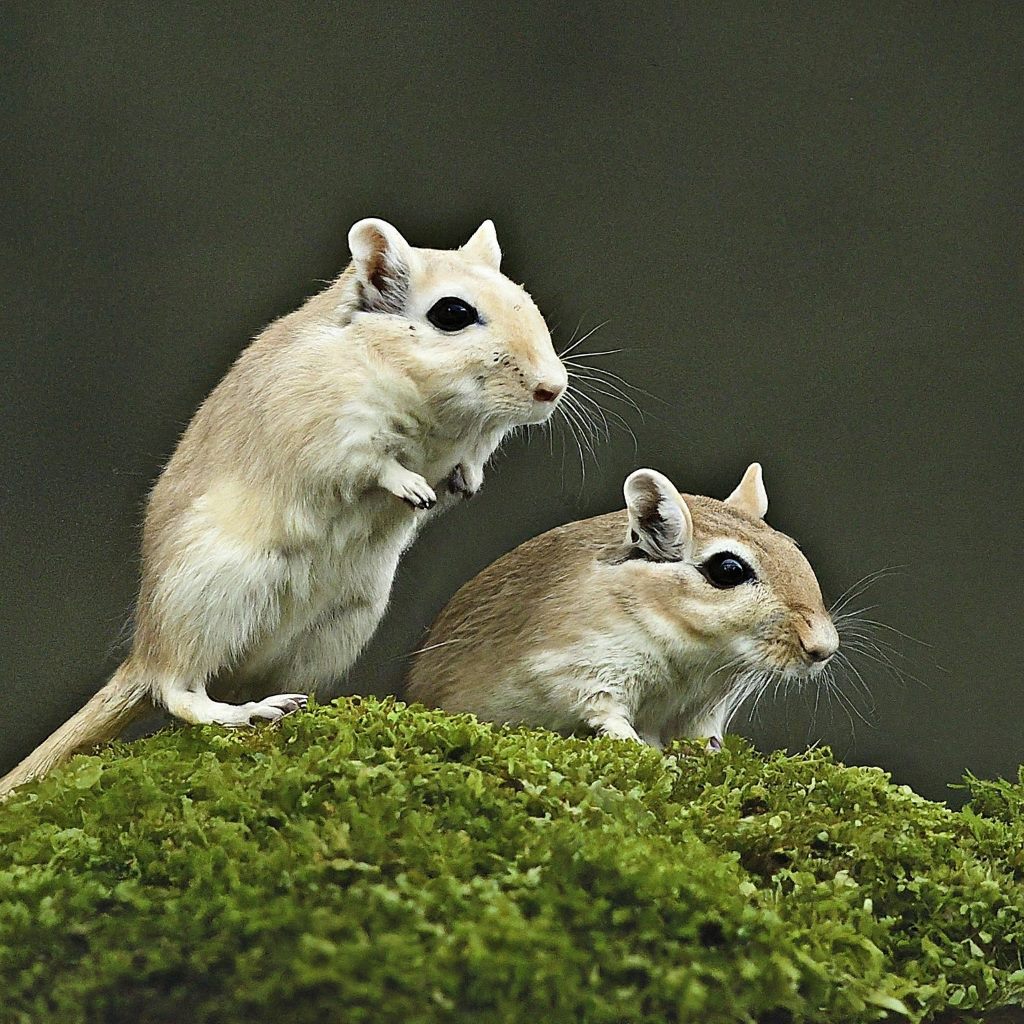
(801, 225)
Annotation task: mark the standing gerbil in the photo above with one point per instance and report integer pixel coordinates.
(649, 624)
(272, 537)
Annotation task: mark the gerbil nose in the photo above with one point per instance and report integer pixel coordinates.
(816, 653)
(820, 642)
(547, 392)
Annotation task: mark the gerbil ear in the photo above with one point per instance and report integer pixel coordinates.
(483, 246)
(659, 520)
(382, 258)
(750, 495)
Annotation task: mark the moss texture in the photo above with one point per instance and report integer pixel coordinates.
(369, 862)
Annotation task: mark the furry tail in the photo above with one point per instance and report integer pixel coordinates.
(115, 707)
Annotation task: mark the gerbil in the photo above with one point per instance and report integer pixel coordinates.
(649, 624)
(272, 536)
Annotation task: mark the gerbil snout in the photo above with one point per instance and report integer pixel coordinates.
(545, 388)
(818, 637)
(547, 392)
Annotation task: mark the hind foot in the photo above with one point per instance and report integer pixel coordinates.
(273, 709)
(196, 707)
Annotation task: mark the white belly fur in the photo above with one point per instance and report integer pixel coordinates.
(328, 587)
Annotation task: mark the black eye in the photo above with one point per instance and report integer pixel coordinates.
(726, 570)
(451, 314)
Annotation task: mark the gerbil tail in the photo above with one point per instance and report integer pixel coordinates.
(116, 706)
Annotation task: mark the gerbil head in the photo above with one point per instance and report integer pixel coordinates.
(714, 584)
(472, 340)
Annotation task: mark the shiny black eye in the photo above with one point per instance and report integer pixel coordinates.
(726, 570)
(451, 314)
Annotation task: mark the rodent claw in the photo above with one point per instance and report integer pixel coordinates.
(273, 709)
(412, 489)
(420, 502)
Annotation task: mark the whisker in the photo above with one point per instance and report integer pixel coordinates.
(858, 588)
(606, 388)
(884, 658)
(576, 344)
(898, 632)
(432, 647)
(580, 396)
(868, 634)
(858, 681)
(835, 692)
(843, 696)
(575, 330)
(620, 380)
(594, 355)
(586, 425)
(844, 616)
(608, 414)
(569, 420)
(827, 675)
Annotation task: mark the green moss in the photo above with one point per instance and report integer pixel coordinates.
(368, 862)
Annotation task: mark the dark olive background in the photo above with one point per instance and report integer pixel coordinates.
(802, 225)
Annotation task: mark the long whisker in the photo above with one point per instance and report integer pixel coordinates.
(582, 396)
(431, 647)
(608, 415)
(569, 418)
(575, 331)
(576, 344)
(606, 388)
(827, 675)
(594, 355)
(835, 692)
(855, 614)
(865, 639)
(843, 696)
(616, 377)
(858, 680)
(587, 428)
(562, 420)
(898, 632)
(861, 585)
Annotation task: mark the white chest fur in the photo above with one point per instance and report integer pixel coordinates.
(333, 575)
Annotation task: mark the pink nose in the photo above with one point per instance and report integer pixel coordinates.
(547, 392)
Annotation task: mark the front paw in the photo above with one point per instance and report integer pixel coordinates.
(411, 488)
(462, 480)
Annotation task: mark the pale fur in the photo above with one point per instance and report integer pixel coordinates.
(609, 625)
(272, 537)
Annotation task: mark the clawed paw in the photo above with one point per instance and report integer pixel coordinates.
(273, 709)
(419, 495)
(410, 487)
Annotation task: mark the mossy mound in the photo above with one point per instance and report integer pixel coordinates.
(369, 862)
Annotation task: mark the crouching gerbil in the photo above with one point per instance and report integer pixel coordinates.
(651, 624)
